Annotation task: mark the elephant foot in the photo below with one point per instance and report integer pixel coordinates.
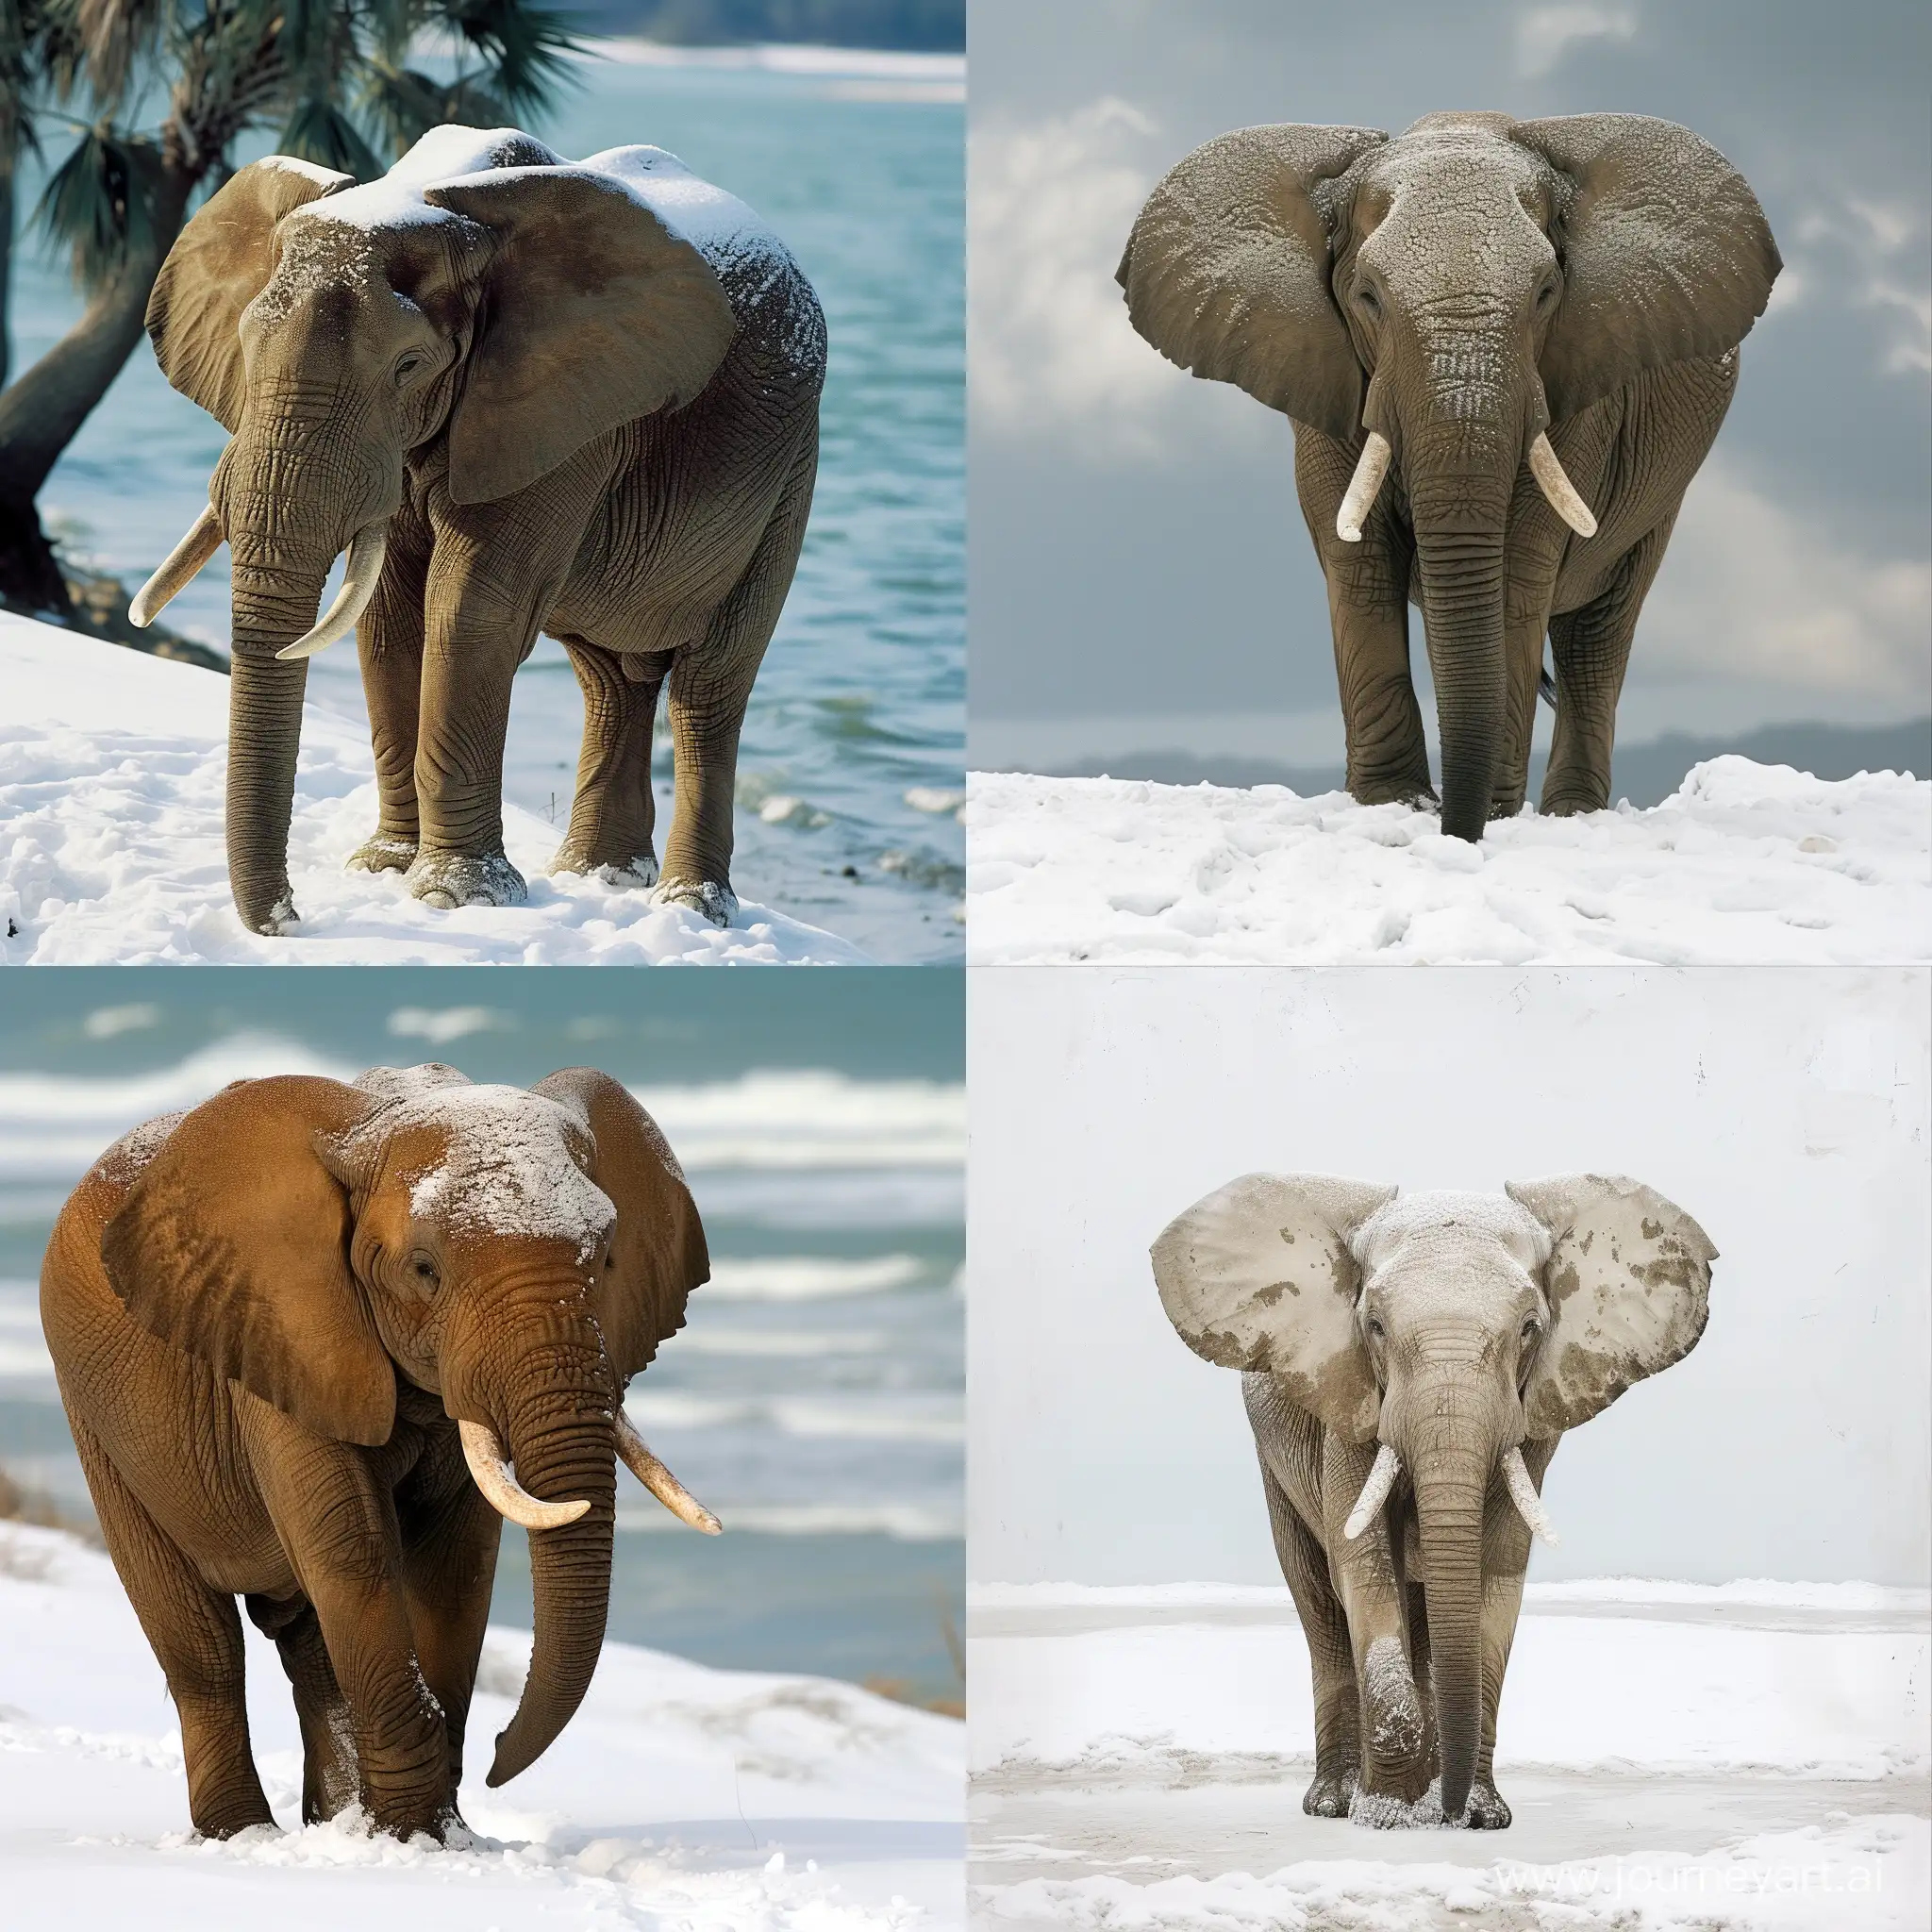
(449, 879)
(384, 852)
(639, 869)
(1408, 790)
(1331, 1794)
(1486, 1811)
(718, 903)
(1570, 804)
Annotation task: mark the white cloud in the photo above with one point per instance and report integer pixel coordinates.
(1752, 589)
(1050, 347)
(1544, 34)
(1878, 250)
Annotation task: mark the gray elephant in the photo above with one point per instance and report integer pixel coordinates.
(1410, 1365)
(1506, 347)
(524, 393)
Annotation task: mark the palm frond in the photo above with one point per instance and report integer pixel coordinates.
(526, 49)
(95, 202)
(319, 131)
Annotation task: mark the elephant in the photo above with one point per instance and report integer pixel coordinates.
(1506, 347)
(302, 1331)
(523, 392)
(1409, 1365)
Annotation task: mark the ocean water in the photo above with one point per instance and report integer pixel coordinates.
(852, 753)
(815, 1398)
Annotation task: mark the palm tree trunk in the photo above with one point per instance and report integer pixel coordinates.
(42, 412)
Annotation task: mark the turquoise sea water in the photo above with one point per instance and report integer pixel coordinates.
(815, 1398)
(862, 701)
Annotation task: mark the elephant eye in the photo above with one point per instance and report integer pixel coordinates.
(424, 1269)
(1375, 1328)
(1369, 300)
(407, 366)
(1530, 1327)
(1546, 295)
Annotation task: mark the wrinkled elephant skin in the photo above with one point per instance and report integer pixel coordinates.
(301, 1331)
(524, 393)
(1506, 347)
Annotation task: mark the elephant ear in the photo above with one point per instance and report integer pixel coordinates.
(220, 262)
(1628, 1285)
(1261, 1276)
(1665, 253)
(594, 313)
(234, 1245)
(1227, 272)
(657, 1252)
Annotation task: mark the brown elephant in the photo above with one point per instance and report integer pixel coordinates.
(1410, 1366)
(1505, 346)
(301, 1332)
(525, 393)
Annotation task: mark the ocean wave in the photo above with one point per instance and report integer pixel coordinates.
(790, 1278)
(829, 63)
(57, 1125)
(912, 1522)
(938, 1419)
(800, 1201)
(781, 1343)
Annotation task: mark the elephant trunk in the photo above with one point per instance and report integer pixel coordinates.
(271, 606)
(1462, 448)
(1451, 1484)
(562, 1440)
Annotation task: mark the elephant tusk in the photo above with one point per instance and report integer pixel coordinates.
(1529, 1505)
(660, 1481)
(1554, 485)
(488, 1464)
(1371, 467)
(178, 571)
(1374, 1491)
(359, 578)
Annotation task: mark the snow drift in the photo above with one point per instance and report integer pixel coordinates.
(678, 1796)
(1744, 864)
(113, 766)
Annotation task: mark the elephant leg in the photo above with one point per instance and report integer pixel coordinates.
(330, 1776)
(1591, 647)
(1419, 1664)
(1505, 1562)
(1368, 614)
(338, 1527)
(614, 813)
(1338, 1702)
(389, 640)
(477, 635)
(1536, 554)
(449, 1563)
(709, 688)
(1394, 1728)
(195, 1633)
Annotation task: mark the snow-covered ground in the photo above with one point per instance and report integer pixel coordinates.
(112, 765)
(679, 1799)
(1751, 1755)
(1744, 863)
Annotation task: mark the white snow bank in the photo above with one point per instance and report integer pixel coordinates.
(1677, 1688)
(1743, 863)
(112, 765)
(1868, 1873)
(678, 1796)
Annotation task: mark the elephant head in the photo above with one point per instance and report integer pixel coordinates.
(484, 291)
(1451, 292)
(519, 1253)
(1448, 1328)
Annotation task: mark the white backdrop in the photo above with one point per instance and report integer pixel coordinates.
(1787, 1110)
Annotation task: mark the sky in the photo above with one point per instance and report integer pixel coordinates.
(1140, 572)
(1786, 1113)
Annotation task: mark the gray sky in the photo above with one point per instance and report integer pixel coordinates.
(1785, 1112)
(1140, 572)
